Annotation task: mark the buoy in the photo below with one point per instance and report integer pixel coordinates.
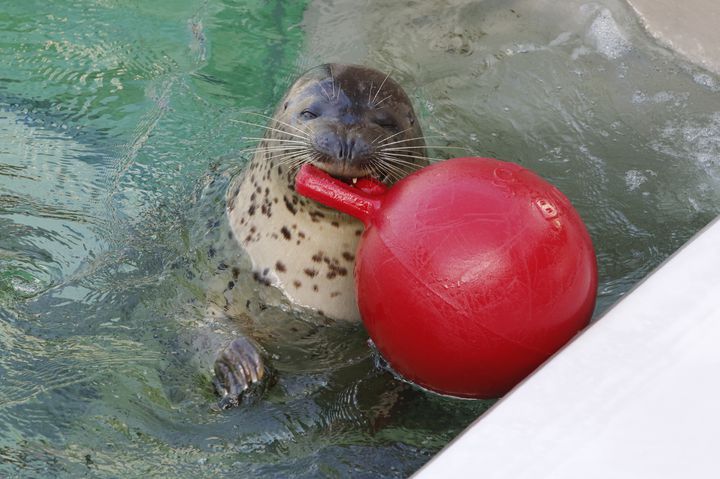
(470, 272)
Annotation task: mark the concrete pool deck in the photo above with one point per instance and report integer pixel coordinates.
(634, 396)
(691, 28)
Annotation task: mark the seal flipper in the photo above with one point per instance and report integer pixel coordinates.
(235, 363)
(238, 367)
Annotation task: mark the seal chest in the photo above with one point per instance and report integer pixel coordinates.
(295, 244)
(350, 121)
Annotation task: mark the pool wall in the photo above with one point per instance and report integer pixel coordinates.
(633, 396)
(690, 27)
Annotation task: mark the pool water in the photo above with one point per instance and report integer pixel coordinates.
(119, 134)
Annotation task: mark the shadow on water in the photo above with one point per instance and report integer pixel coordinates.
(116, 146)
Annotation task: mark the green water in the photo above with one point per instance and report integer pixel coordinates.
(117, 140)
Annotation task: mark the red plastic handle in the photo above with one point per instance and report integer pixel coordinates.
(361, 200)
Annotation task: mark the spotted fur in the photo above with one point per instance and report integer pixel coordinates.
(296, 244)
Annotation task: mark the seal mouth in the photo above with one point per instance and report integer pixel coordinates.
(351, 180)
(347, 173)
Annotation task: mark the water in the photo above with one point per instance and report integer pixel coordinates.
(117, 140)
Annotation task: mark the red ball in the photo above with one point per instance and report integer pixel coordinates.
(470, 273)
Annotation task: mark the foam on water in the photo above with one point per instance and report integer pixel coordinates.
(705, 79)
(659, 97)
(607, 37)
(697, 141)
(634, 178)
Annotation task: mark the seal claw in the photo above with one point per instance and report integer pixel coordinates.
(237, 367)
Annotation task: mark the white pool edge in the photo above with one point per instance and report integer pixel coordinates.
(632, 396)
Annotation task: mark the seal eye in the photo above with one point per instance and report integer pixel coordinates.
(387, 124)
(385, 121)
(308, 115)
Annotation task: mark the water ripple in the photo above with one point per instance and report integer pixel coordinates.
(116, 148)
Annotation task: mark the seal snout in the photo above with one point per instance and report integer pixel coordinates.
(344, 155)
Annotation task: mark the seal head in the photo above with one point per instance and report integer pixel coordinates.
(356, 121)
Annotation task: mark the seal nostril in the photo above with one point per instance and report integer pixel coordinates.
(339, 149)
(351, 150)
(360, 149)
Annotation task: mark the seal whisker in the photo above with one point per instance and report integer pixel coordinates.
(374, 170)
(273, 148)
(292, 161)
(396, 165)
(289, 153)
(277, 151)
(378, 103)
(327, 95)
(384, 176)
(395, 170)
(312, 157)
(285, 161)
(409, 154)
(289, 159)
(277, 121)
(294, 165)
(298, 162)
(418, 157)
(418, 138)
(397, 162)
(390, 160)
(428, 147)
(385, 145)
(414, 161)
(395, 175)
(304, 132)
(280, 154)
(379, 89)
(305, 157)
(332, 79)
(268, 128)
(400, 161)
(396, 134)
(278, 140)
(304, 137)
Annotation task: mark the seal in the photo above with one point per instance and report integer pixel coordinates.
(352, 122)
